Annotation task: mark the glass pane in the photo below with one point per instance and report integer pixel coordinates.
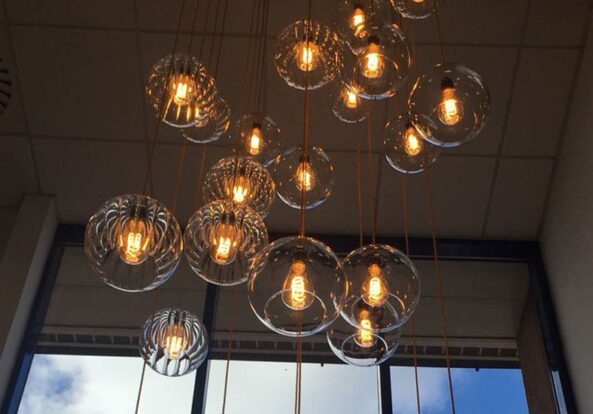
(487, 391)
(73, 384)
(269, 387)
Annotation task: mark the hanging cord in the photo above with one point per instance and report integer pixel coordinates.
(440, 34)
(359, 186)
(438, 284)
(372, 209)
(229, 348)
(206, 18)
(263, 70)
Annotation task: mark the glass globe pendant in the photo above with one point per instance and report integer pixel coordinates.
(259, 138)
(173, 342)
(414, 9)
(385, 287)
(180, 90)
(308, 52)
(297, 286)
(356, 17)
(243, 180)
(297, 175)
(346, 103)
(449, 105)
(221, 240)
(405, 149)
(133, 242)
(210, 127)
(362, 346)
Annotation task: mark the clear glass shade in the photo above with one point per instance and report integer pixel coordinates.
(361, 347)
(221, 240)
(212, 126)
(405, 149)
(297, 286)
(384, 287)
(309, 176)
(180, 90)
(346, 103)
(173, 342)
(133, 242)
(414, 9)
(356, 17)
(259, 138)
(308, 53)
(242, 180)
(449, 105)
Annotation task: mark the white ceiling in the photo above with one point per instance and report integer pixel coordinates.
(77, 126)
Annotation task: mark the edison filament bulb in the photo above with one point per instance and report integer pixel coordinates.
(307, 55)
(346, 104)
(413, 144)
(258, 137)
(305, 179)
(375, 289)
(225, 238)
(175, 341)
(450, 108)
(365, 336)
(355, 19)
(254, 142)
(134, 239)
(298, 293)
(358, 19)
(372, 61)
(239, 187)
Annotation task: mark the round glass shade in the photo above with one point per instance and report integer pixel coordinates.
(449, 105)
(361, 347)
(173, 342)
(405, 149)
(260, 138)
(414, 9)
(296, 175)
(308, 52)
(346, 103)
(182, 93)
(297, 286)
(385, 287)
(221, 241)
(133, 242)
(356, 17)
(243, 180)
(212, 127)
(382, 65)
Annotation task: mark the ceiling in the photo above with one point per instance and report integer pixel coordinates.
(77, 126)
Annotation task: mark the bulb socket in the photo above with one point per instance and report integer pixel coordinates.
(447, 83)
(374, 40)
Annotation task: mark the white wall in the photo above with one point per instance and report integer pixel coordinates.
(567, 238)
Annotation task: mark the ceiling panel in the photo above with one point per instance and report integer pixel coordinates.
(17, 172)
(13, 118)
(557, 22)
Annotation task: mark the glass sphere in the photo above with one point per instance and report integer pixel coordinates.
(362, 346)
(384, 287)
(181, 94)
(133, 242)
(346, 103)
(173, 342)
(260, 138)
(308, 52)
(382, 65)
(405, 149)
(243, 180)
(449, 105)
(297, 286)
(356, 17)
(212, 127)
(414, 9)
(221, 241)
(296, 175)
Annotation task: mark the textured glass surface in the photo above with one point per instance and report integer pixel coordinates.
(449, 105)
(346, 104)
(297, 286)
(212, 127)
(347, 343)
(102, 241)
(355, 18)
(173, 342)
(414, 9)
(260, 138)
(182, 94)
(243, 180)
(382, 65)
(405, 149)
(254, 236)
(308, 52)
(384, 287)
(289, 174)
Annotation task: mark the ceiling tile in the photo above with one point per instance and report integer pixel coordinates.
(539, 101)
(101, 14)
(17, 172)
(519, 196)
(7, 219)
(557, 22)
(80, 83)
(12, 120)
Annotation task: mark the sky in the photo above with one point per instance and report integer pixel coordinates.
(68, 384)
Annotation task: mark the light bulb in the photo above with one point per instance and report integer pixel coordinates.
(297, 290)
(450, 108)
(375, 290)
(365, 337)
(418, 1)
(254, 142)
(225, 238)
(305, 176)
(181, 93)
(240, 188)
(373, 60)
(134, 241)
(175, 341)
(307, 55)
(413, 145)
(358, 19)
(350, 98)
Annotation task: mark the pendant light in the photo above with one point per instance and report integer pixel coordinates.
(259, 138)
(414, 9)
(210, 127)
(346, 103)
(354, 18)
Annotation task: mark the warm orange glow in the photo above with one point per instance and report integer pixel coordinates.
(255, 142)
(224, 242)
(298, 293)
(307, 55)
(305, 176)
(374, 65)
(181, 91)
(175, 341)
(358, 20)
(375, 290)
(133, 241)
(241, 189)
(450, 108)
(412, 144)
(350, 99)
(365, 337)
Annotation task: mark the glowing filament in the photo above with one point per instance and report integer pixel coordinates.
(255, 141)
(224, 242)
(365, 337)
(358, 20)
(412, 144)
(450, 108)
(350, 99)
(305, 176)
(134, 241)
(375, 290)
(373, 61)
(297, 292)
(241, 189)
(175, 342)
(307, 56)
(181, 94)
